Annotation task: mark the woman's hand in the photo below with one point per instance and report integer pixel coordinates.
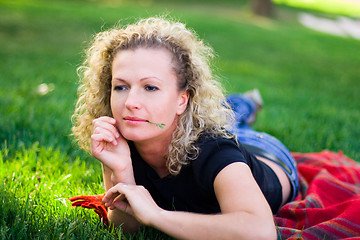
(134, 200)
(109, 147)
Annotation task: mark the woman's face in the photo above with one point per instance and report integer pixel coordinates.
(144, 88)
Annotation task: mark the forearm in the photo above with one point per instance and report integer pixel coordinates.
(117, 217)
(237, 225)
(112, 178)
(107, 177)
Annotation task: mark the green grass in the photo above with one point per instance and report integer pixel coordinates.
(346, 8)
(309, 82)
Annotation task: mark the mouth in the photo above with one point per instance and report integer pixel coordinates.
(134, 119)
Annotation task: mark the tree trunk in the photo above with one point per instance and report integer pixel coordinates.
(262, 7)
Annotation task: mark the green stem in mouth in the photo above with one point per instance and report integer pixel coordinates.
(160, 125)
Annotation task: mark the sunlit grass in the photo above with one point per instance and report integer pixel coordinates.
(309, 82)
(339, 7)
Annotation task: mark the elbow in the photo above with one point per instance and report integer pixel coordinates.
(128, 223)
(259, 231)
(258, 234)
(265, 233)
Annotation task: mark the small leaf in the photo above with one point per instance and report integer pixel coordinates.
(160, 125)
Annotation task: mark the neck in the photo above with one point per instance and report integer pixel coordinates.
(153, 153)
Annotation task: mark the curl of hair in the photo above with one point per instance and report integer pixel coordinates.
(206, 110)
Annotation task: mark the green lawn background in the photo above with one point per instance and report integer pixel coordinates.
(309, 82)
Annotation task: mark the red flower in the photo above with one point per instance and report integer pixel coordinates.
(92, 202)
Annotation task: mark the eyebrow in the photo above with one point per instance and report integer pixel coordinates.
(142, 79)
(119, 79)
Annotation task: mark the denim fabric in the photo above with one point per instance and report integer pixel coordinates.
(244, 108)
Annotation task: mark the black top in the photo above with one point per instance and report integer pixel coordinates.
(192, 189)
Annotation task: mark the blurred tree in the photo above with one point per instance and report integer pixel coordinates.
(262, 7)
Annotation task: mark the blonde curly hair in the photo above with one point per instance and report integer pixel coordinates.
(206, 110)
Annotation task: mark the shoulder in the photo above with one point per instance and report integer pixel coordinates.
(214, 146)
(215, 153)
(212, 142)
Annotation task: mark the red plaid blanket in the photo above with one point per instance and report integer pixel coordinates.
(327, 207)
(328, 204)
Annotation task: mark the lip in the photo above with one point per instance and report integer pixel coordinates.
(134, 119)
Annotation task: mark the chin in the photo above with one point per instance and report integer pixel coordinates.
(135, 135)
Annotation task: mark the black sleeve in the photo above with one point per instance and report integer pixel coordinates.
(215, 154)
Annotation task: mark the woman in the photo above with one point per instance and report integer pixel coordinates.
(151, 111)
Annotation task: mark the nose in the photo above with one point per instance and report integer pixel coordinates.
(132, 100)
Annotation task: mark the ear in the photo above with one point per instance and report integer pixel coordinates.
(182, 102)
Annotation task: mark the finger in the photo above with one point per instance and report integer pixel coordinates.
(109, 193)
(122, 206)
(109, 201)
(98, 124)
(119, 201)
(96, 138)
(116, 200)
(105, 119)
(117, 189)
(109, 136)
(120, 197)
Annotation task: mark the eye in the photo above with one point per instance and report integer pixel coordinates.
(151, 88)
(120, 88)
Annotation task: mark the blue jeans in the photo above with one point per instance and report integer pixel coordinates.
(244, 108)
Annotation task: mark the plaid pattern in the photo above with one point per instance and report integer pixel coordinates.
(327, 206)
(328, 203)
